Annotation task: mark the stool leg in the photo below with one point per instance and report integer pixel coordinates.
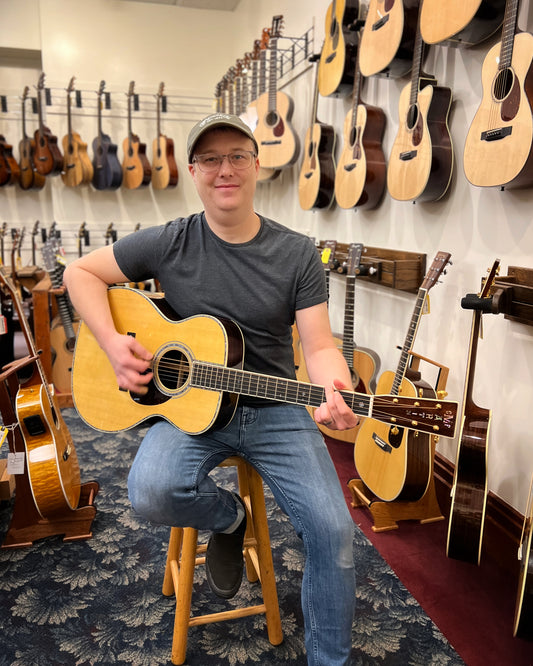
(184, 594)
(244, 491)
(173, 554)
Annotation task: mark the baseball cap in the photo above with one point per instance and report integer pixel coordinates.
(213, 121)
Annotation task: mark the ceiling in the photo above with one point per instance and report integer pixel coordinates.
(221, 5)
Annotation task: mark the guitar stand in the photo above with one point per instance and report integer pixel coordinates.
(27, 525)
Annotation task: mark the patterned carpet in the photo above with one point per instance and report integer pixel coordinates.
(99, 601)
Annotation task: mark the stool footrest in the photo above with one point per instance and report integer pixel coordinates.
(227, 615)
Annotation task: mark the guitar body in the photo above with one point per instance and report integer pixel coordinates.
(361, 171)
(29, 177)
(11, 166)
(278, 144)
(107, 170)
(266, 175)
(63, 356)
(421, 158)
(460, 23)
(388, 38)
(523, 619)
(498, 148)
(47, 158)
(394, 466)
(77, 167)
(136, 169)
(469, 496)
(316, 185)
(337, 58)
(164, 167)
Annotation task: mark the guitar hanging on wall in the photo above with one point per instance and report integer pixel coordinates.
(523, 620)
(30, 178)
(77, 167)
(460, 23)
(164, 167)
(136, 169)
(47, 157)
(107, 171)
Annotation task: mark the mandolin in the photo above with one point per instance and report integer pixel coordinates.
(469, 488)
(388, 39)
(499, 144)
(421, 159)
(164, 167)
(77, 167)
(136, 169)
(9, 168)
(460, 23)
(523, 620)
(107, 171)
(47, 157)
(361, 171)
(29, 177)
(396, 464)
(279, 146)
(316, 183)
(337, 59)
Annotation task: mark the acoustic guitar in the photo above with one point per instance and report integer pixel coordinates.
(29, 177)
(77, 167)
(51, 460)
(198, 376)
(107, 171)
(47, 157)
(164, 167)
(82, 237)
(361, 171)
(337, 59)
(469, 488)
(249, 112)
(316, 183)
(421, 159)
(523, 619)
(460, 23)
(9, 168)
(499, 144)
(388, 39)
(279, 145)
(136, 169)
(393, 463)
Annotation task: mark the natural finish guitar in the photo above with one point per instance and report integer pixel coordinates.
(198, 377)
(388, 39)
(337, 59)
(316, 183)
(164, 167)
(393, 463)
(106, 166)
(51, 459)
(279, 145)
(499, 144)
(47, 157)
(421, 159)
(460, 23)
(361, 171)
(136, 169)
(469, 488)
(523, 619)
(77, 167)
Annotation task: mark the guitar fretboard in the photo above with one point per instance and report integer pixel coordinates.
(409, 340)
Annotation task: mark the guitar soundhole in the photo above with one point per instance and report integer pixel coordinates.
(503, 84)
(271, 119)
(173, 370)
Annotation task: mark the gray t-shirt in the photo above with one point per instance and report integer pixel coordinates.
(259, 284)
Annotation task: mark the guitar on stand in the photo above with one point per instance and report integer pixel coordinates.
(523, 620)
(82, 238)
(47, 158)
(77, 167)
(107, 171)
(164, 167)
(136, 168)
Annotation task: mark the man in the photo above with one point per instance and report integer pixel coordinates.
(230, 262)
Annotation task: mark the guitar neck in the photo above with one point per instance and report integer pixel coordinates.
(272, 81)
(508, 33)
(348, 330)
(417, 65)
(409, 340)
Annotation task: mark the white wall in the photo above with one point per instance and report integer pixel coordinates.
(190, 50)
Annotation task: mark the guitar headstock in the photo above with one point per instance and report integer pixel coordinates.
(131, 89)
(354, 258)
(25, 93)
(35, 229)
(257, 49)
(81, 230)
(328, 253)
(161, 89)
(101, 88)
(50, 251)
(265, 38)
(70, 87)
(40, 83)
(277, 26)
(436, 269)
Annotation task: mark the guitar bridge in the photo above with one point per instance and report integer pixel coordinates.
(408, 155)
(331, 57)
(496, 134)
(379, 24)
(387, 448)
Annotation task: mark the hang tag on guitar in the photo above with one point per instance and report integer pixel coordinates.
(3, 325)
(426, 309)
(15, 463)
(3, 435)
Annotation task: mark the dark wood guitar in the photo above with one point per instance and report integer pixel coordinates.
(279, 145)
(164, 167)
(499, 144)
(393, 463)
(388, 39)
(107, 171)
(29, 177)
(460, 23)
(82, 238)
(316, 184)
(361, 171)
(469, 489)
(47, 157)
(51, 460)
(523, 619)
(421, 159)
(9, 168)
(136, 169)
(77, 167)
(198, 377)
(337, 59)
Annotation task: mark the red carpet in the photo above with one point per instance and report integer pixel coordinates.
(472, 606)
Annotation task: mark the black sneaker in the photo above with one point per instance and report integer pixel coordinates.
(224, 560)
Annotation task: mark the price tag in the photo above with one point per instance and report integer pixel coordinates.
(3, 435)
(15, 463)
(326, 254)
(426, 309)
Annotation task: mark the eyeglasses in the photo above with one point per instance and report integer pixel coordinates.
(209, 163)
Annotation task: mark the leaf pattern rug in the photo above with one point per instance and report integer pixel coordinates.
(99, 601)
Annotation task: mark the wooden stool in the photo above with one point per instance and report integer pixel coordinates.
(184, 554)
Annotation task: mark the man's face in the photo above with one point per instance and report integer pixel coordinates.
(227, 188)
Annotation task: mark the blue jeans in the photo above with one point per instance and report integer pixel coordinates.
(169, 484)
